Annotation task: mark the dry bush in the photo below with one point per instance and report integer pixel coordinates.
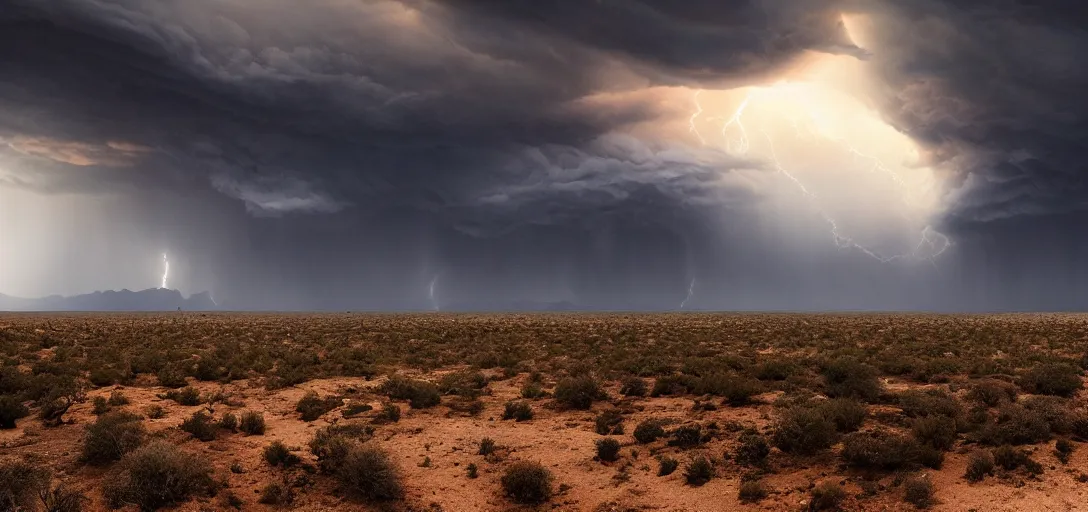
(650, 430)
(527, 482)
(827, 496)
(579, 392)
(368, 473)
(517, 410)
(699, 470)
(803, 430)
(200, 426)
(979, 464)
(752, 449)
(420, 394)
(666, 466)
(879, 450)
(11, 409)
(751, 491)
(156, 475)
(1061, 379)
(633, 386)
(608, 449)
(609, 422)
(111, 436)
(20, 484)
(311, 406)
(277, 454)
(992, 392)
(918, 491)
(849, 378)
(252, 423)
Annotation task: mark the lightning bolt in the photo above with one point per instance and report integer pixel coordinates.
(165, 270)
(430, 292)
(737, 141)
(691, 291)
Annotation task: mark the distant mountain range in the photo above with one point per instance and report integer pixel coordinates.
(153, 299)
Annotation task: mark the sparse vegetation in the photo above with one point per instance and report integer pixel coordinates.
(369, 474)
(699, 470)
(518, 411)
(277, 454)
(827, 496)
(918, 491)
(1007, 383)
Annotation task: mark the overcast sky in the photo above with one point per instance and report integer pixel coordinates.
(627, 154)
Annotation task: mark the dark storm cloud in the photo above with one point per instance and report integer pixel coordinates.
(334, 146)
(356, 104)
(995, 89)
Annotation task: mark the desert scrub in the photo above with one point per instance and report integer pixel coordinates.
(229, 422)
(699, 470)
(117, 399)
(752, 449)
(609, 422)
(608, 449)
(368, 473)
(155, 412)
(827, 496)
(277, 454)
(517, 410)
(918, 491)
(111, 436)
(751, 491)
(532, 390)
(99, 405)
(850, 378)
(390, 413)
(1014, 425)
(1059, 379)
(21, 482)
(331, 444)
(992, 392)
(847, 414)
(936, 431)
(252, 423)
(156, 475)
(487, 446)
(879, 450)
(979, 464)
(633, 386)
(61, 499)
(666, 465)
(419, 393)
(648, 431)
(1063, 450)
(200, 426)
(275, 493)
(1010, 458)
(578, 392)
(803, 430)
(311, 406)
(527, 482)
(687, 436)
(185, 396)
(11, 409)
(465, 383)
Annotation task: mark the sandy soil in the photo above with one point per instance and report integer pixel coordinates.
(561, 440)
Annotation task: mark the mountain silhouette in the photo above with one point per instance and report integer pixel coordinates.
(152, 299)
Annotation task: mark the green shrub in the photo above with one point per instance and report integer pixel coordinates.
(609, 422)
(648, 431)
(472, 470)
(827, 496)
(420, 394)
(803, 430)
(608, 449)
(157, 475)
(979, 464)
(277, 454)
(11, 409)
(311, 406)
(200, 426)
(1059, 379)
(751, 491)
(578, 392)
(368, 473)
(752, 449)
(992, 392)
(20, 485)
(850, 378)
(527, 482)
(252, 423)
(111, 436)
(879, 450)
(487, 446)
(666, 465)
(633, 386)
(698, 471)
(518, 411)
(918, 491)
